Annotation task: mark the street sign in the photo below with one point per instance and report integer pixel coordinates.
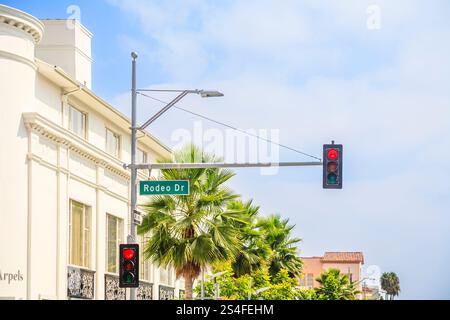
(137, 219)
(164, 187)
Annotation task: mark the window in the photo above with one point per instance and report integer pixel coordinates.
(302, 282)
(80, 234)
(165, 275)
(141, 157)
(114, 237)
(144, 268)
(182, 283)
(77, 122)
(170, 278)
(310, 280)
(112, 143)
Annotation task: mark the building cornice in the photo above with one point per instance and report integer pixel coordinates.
(75, 22)
(44, 127)
(18, 58)
(22, 21)
(62, 48)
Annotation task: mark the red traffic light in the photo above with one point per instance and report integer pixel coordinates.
(128, 253)
(332, 165)
(332, 154)
(129, 265)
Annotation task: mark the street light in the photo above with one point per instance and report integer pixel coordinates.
(181, 95)
(364, 285)
(216, 285)
(210, 94)
(261, 290)
(202, 93)
(134, 128)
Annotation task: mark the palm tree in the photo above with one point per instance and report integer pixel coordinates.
(335, 286)
(192, 232)
(254, 249)
(277, 234)
(391, 284)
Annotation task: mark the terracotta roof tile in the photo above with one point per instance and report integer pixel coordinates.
(343, 257)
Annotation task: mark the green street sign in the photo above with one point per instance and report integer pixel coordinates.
(164, 187)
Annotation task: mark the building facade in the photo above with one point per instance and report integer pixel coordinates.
(349, 263)
(64, 191)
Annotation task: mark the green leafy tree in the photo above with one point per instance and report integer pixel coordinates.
(281, 287)
(335, 286)
(261, 277)
(192, 232)
(254, 249)
(391, 284)
(307, 294)
(277, 234)
(231, 287)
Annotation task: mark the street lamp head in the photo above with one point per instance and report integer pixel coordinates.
(134, 55)
(210, 94)
(217, 275)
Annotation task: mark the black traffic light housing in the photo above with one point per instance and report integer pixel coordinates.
(129, 266)
(332, 166)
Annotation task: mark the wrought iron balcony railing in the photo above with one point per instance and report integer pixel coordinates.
(112, 290)
(145, 291)
(166, 293)
(80, 283)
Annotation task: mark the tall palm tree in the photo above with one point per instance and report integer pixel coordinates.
(194, 231)
(277, 234)
(335, 286)
(391, 284)
(254, 249)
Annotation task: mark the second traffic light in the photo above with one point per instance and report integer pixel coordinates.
(332, 166)
(129, 266)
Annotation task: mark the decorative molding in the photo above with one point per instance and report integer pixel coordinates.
(71, 175)
(22, 21)
(59, 135)
(16, 57)
(62, 48)
(75, 22)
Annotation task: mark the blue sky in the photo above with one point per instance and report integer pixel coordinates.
(314, 71)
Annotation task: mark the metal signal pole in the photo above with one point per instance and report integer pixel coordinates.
(132, 236)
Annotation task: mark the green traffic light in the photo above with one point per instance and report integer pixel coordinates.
(128, 278)
(332, 178)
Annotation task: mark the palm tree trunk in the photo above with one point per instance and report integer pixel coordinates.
(189, 282)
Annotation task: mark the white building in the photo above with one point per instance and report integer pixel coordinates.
(64, 193)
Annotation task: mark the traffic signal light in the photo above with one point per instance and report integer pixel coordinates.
(129, 266)
(332, 166)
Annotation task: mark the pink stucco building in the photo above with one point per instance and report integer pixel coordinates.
(349, 263)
